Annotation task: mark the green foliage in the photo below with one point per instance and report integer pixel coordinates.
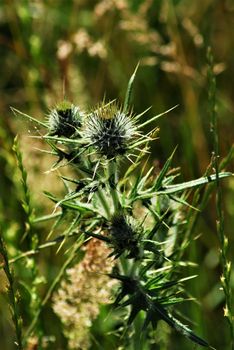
(144, 267)
(80, 52)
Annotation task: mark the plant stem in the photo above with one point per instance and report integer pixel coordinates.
(124, 263)
(12, 295)
(223, 240)
(113, 180)
(104, 203)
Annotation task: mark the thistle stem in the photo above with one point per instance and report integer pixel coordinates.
(113, 179)
(104, 203)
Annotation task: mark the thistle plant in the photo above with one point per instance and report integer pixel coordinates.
(115, 196)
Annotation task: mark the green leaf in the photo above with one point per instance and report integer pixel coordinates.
(16, 111)
(144, 179)
(156, 117)
(82, 207)
(155, 280)
(183, 202)
(132, 168)
(61, 139)
(172, 301)
(46, 217)
(163, 172)
(100, 237)
(178, 326)
(151, 317)
(69, 230)
(135, 310)
(129, 90)
(183, 186)
(194, 183)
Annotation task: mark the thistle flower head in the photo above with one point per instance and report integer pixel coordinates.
(110, 130)
(64, 119)
(124, 236)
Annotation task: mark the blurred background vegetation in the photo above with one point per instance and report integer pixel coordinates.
(87, 49)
